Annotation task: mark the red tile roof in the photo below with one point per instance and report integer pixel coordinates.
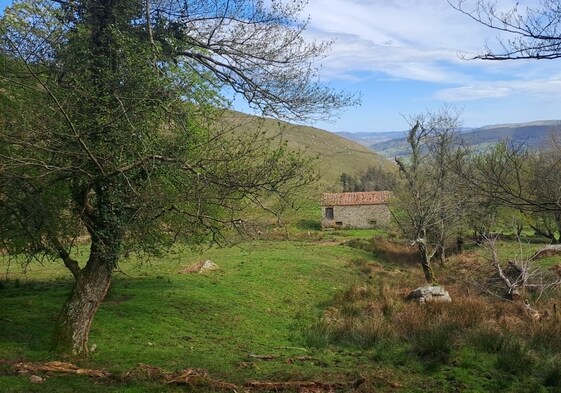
(356, 198)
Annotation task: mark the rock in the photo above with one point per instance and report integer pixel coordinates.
(200, 267)
(36, 379)
(430, 293)
(208, 265)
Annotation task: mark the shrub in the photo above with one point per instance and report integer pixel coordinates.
(487, 339)
(433, 343)
(387, 250)
(552, 377)
(546, 335)
(317, 336)
(514, 357)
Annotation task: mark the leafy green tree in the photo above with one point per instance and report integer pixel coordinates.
(348, 182)
(111, 130)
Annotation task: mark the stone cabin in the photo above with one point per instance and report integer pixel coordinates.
(355, 209)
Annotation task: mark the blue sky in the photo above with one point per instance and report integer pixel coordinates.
(403, 56)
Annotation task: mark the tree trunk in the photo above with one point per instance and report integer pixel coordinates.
(558, 224)
(91, 285)
(441, 254)
(460, 245)
(425, 262)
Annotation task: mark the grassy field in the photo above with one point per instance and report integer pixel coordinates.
(282, 312)
(258, 303)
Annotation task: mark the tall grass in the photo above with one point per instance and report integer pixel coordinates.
(376, 316)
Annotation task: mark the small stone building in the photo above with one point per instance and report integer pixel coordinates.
(355, 209)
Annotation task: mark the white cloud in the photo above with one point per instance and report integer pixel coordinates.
(350, 54)
(405, 39)
(420, 40)
(498, 89)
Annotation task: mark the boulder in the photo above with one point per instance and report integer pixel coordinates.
(200, 267)
(208, 265)
(36, 379)
(430, 293)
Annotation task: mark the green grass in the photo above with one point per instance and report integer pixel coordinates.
(323, 311)
(258, 303)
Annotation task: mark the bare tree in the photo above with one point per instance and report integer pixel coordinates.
(516, 177)
(533, 32)
(517, 274)
(427, 196)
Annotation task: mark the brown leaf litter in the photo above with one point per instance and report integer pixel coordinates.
(191, 377)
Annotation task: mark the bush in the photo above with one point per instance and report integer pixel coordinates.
(552, 376)
(389, 251)
(546, 336)
(486, 339)
(514, 357)
(433, 343)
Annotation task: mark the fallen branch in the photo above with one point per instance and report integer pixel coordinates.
(547, 251)
(301, 386)
(195, 378)
(263, 357)
(58, 367)
(296, 348)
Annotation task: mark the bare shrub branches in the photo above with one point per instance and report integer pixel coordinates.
(518, 274)
(533, 32)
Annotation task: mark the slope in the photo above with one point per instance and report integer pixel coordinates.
(336, 155)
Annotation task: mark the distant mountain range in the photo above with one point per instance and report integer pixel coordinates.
(532, 134)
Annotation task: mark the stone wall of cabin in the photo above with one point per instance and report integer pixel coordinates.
(359, 216)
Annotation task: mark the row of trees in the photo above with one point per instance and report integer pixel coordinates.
(447, 186)
(448, 189)
(375, 178)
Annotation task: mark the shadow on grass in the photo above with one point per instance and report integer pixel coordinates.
(30, 309)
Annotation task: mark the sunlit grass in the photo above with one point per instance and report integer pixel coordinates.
(315, 308)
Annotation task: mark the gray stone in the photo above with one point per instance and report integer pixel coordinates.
(200, 267)
(36, 379)
(430, 293)
(208, 265)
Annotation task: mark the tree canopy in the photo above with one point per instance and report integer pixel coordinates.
(112, 127)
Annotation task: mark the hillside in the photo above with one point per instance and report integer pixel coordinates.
(371, 138)
(336, 154)
(326, 313)
(532, 135)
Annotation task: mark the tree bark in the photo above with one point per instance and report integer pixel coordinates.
(558, 224)
(90, 288)
(425, 262)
